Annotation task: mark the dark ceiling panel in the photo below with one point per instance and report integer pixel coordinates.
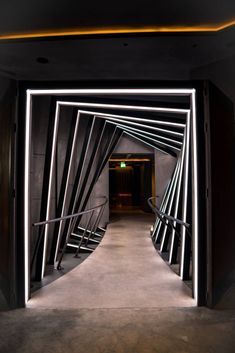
(18, 16)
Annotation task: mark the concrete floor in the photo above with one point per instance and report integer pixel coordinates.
(141, 316)
(125, 271)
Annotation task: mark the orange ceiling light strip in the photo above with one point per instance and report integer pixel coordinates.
(116, 30)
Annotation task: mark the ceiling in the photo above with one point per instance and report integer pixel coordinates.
(160, 56)
(28, 16)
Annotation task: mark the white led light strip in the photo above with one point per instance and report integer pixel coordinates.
(56, 123)
(64, 92)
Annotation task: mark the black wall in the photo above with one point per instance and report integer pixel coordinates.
(7, 199)
(221, 189)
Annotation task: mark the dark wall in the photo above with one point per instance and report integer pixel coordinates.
(222, 191)
(42, 132)
(7, 258)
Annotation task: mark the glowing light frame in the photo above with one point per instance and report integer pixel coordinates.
(191, 93)
(106, 117)
(172, 196)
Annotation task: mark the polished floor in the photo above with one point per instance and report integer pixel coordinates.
(122, 299)
(125, 271)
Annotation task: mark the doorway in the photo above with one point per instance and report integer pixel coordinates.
(130, 182)
(164, 128)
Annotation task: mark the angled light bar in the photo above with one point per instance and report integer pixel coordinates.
(135, 124)
(79, 182)
(142, 140)
(195, 233)
(67, 180)
(109, 92)
(177, 203)
(169, 207)
(154, 135)
(130, 107)
(56, 123)
(125, 119)
(178, 92)
(147, 137)
(167, 199)
(148, 134)
(162, 203)
(185, 196)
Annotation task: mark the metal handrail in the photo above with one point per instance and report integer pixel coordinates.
(165, 217)
(70, 216)
(59, 219)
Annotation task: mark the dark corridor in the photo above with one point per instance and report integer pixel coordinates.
(131, 182)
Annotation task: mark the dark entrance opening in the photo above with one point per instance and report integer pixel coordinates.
(131, 182)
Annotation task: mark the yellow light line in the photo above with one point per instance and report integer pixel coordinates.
(117, 30)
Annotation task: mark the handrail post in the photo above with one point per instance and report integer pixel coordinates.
(37, 246)
(84, 233)
(63, 250)
(100, 213)
(72, 220)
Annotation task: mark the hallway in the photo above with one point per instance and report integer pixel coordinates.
(125, 271)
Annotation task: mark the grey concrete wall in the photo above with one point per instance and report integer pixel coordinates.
(163, 163)
(128, 144)
(164, 166)
(101, 188)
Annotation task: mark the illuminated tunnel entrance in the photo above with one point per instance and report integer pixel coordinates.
(131, 181)
(82, 129)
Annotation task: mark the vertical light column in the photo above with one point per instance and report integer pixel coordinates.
(67, 182)
(28, 126)
(179, 187)
(185, 197)
(54, 141)
(195, 198)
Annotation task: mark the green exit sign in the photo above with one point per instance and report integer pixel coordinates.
(123, 165)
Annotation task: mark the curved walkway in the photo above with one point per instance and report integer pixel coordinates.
(125, 271)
